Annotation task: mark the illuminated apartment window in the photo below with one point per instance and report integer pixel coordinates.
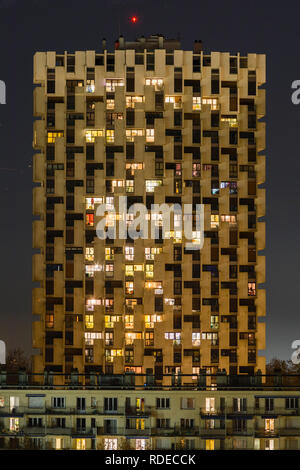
(176, 100)
(90, 86)
(150, 320)
(109, 269)
(52, 136)
(109, 338)
(49, 320)
(131, 100)
(90, 202)
(110, 444)
(90, 269)
(152, 184)
(14, 424)
(129, 186)
(196, 103)
(134, 166)
(157, 82)
(129, 270)
(232, 121)
(251, 288)
(117, 184)
(214, 321)
(196, 172)
(93, 302)
(270, 425)
(175, 337)
(151, 252)
(129, 253)
(149, 271)
(153, 285)
(196, 339)
(109, 254)
(89, 253)
(129, 321)
(80, 444)
(149, 135)
(110, 104)
(269, 444)
(209, 444)
(214, 221)
(112, 83)
(132, 133)
(110, 136)
(110, 320)
(231, 219)
(90, 337)
(130, 337)
(210, 405)
(213, 102)
(89, 321)
(89, 219)
(110, 354)
(129, 287)
(91, 134)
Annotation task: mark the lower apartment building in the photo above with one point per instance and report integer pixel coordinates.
(110, 417)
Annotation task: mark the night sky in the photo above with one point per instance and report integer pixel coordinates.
(27, 26)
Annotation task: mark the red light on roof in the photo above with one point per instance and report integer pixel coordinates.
(133, 19)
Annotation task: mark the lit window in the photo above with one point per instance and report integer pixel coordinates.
(90, 86)
(269, 425)
(129, 253)
(110, 104)
(90, 269)
(196, 339)
(214, 321)
(157, 82)
(131, 100)
(196, 170)
(176, 100)
(90, 219)
(132, 133)
(169, 301)
(153, 285)
(152, 184)
(232, 121)
(134, 166)
(80, 444)
(212, 102)
(175, 337)
(52, 136)
(112, 83)
(214, 221)
(151, 252)
(149, 135)
(110, 136)
(129, 186)
(90, 337)
(269, 444)
(251, 288)
(111, 353)
(89, 321)
(110, 444)
(90, 202)
(91, 134)
(209, 444)
(129, 270)
(110, 320)
(149, 271)
(231, 219)
(109, 254)
(14, 424)
(89, 253)
(196, 103)
(129, 287)
(49, 321)
(129, 321)
(210, 405)
(109, 269)
(150, 320)
(130, 337)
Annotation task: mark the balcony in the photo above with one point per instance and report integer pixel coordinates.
(212, 433)
(133, 411)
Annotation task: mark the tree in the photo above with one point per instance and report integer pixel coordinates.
(16, 359)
